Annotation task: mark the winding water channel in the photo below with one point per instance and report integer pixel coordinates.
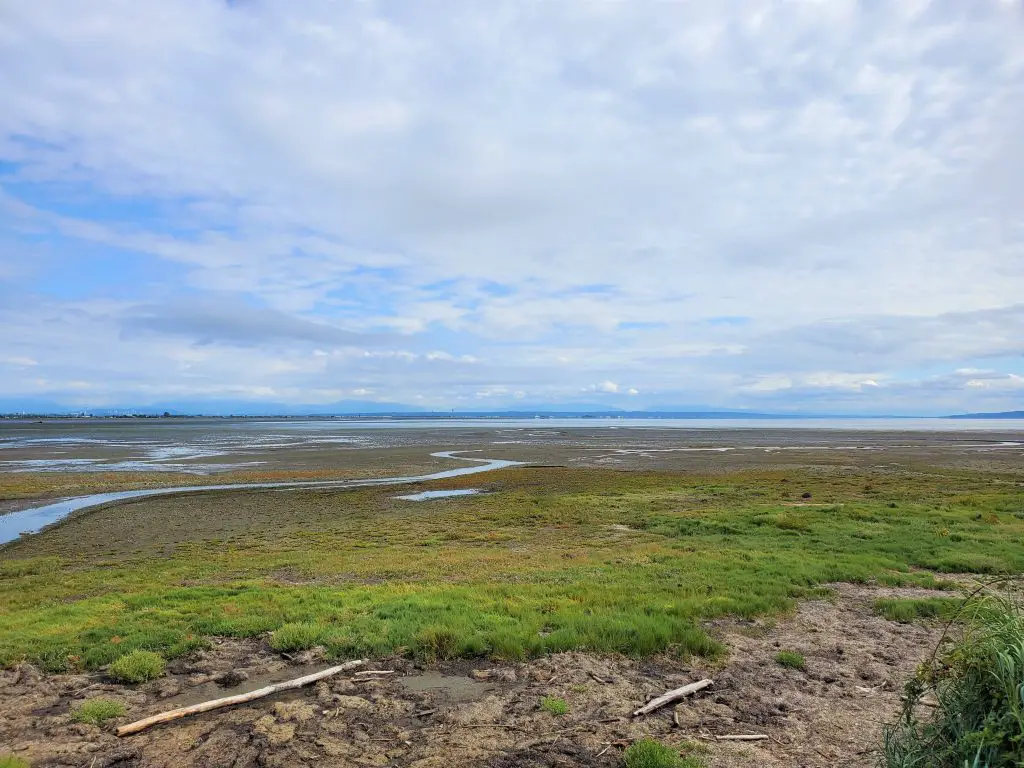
(34, 519)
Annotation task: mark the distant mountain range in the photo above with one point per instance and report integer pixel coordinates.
(999, 415)
(41, 407)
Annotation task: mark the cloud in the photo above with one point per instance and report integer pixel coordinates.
(228, 320)
(804, 201)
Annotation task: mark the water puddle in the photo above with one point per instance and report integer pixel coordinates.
(454, 688)
(426, 495)
(211, 690)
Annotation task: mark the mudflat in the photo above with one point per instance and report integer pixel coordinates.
(616, 564)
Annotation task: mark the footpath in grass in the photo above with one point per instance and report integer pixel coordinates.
(552, 560)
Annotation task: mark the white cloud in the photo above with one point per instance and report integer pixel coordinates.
(805, 199)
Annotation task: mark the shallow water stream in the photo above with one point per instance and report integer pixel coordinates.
(34, 519)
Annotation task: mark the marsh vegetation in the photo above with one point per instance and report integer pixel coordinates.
(553, 560)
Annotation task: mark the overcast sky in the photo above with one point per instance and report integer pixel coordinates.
(770, 205)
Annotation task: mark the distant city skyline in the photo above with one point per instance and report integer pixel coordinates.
(770, 206)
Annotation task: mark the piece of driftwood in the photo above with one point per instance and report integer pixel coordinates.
(206, 706)
(674, 695)
(743, 737)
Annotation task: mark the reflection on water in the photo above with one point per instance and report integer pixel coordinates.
(33, 519)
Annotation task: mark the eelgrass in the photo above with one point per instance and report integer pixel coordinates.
(978, 692)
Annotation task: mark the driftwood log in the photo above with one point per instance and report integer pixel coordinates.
(674, 695)
(743, 737)
(206, 706)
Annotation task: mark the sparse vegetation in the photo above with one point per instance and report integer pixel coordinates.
(976, 689)
(791, 660)
(906, 610)
(137, 667)
(554, 705)
(648, 753)
(97, 711)
(10, 761)
(532, 569)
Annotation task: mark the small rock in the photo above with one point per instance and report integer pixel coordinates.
(25, 674)
(311, 656)
(344, 686)
(166, 687)
(480, 674)
(506, 675)
(231, 677)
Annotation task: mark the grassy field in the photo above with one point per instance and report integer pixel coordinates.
(554, 559)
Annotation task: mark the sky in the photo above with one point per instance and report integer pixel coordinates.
(778, 206)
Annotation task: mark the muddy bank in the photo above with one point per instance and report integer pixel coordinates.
(34, 519)
(483, 714)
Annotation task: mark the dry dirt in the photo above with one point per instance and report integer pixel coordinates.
(465, 714)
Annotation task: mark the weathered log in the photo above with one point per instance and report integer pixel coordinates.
(674, 695)
(242, 698)
(743, 737)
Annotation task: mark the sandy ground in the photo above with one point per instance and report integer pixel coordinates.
(465, 714)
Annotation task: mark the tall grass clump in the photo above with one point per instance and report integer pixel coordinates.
(978, 691)
(298, 636)
(137, 667)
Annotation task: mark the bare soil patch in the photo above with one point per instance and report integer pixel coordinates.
(482, 714)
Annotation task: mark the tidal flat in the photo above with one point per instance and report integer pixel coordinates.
(640, 555)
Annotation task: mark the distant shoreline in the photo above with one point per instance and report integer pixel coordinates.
(472, 415)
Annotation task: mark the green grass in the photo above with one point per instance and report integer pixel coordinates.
(298, 636)
(97, 711)
(906, 610)
(10, 761)
(531, 569)
(648, 753)
(554, 705)
(790, 659)
(977, 687)
(137, 667)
